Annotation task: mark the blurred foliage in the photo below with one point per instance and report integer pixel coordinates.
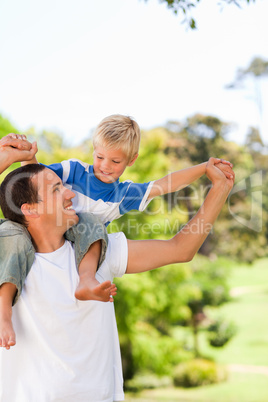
(221, 332)
(146, 380)
(6, 127)
(151, 305)
(198, 372)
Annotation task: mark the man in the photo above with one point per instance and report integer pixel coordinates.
(68, 350)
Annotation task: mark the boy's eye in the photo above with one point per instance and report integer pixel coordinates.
(99, 157)
(116, 162)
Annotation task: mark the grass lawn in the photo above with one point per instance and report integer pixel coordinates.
(249, 347)
(249, 311)
(239, 388)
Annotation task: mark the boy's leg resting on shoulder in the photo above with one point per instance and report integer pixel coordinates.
(90, 243)
(88, 231)
(89, 288)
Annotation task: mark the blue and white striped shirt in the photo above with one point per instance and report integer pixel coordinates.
(108, 201)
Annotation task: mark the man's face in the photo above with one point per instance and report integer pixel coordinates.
(55, 200)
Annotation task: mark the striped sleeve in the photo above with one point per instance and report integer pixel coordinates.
(70, 171)
(136, 197)
(57, 168)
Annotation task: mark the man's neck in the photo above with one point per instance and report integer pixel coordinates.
(45, 242)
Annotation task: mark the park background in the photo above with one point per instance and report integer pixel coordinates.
(195, 93)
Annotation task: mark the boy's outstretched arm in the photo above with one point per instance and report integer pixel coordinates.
(145, 255)
(182, 178)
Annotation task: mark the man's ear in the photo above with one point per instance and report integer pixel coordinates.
(29, 210)
(133, 160)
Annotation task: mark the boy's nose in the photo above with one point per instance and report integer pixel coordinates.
(106, 164)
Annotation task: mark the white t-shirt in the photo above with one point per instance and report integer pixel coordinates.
(67, 350)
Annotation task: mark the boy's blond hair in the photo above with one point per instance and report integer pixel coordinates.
(119, 132)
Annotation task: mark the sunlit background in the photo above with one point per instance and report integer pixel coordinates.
(66, 64)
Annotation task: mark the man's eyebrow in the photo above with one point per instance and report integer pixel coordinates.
(56, 184)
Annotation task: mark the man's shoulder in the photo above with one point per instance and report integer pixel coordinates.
(12, 228)
(115, 263)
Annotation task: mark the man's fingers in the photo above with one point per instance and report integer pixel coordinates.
(34, 148)
(18, 143)
(226, 169)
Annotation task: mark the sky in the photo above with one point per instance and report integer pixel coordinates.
(66, 64)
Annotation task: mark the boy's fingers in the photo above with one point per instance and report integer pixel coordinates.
(226, 162)
(17, 136)
(215, 161)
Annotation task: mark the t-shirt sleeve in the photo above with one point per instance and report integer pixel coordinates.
(115, 263)
(69, 170)
(117, 255)
(136, 197)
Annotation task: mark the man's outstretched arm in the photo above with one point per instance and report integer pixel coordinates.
(145, 255)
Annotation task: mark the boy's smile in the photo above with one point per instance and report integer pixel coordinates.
(109, 164)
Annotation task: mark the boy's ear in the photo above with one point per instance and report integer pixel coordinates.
(29, 210)
(133, 160)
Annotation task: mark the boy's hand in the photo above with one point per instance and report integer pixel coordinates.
(223, 165)
(217, 176)
(215, 161)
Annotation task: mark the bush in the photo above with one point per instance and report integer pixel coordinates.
(198, 372)
(147, 381)
(220, 332)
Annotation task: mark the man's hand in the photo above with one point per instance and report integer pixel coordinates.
(16, 141)
(223, 175)
(15, 148)
(223, 165)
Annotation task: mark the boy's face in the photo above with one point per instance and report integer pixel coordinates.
(109, 164)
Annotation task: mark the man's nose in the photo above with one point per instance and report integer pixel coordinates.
(69, 194)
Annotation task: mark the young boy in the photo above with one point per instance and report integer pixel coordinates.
(97, 187)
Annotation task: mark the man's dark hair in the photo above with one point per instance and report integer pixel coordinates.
(18, 189)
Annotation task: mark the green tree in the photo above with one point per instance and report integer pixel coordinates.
(254, 73)
(210, 278)
(6, 127)
(195, 141)
(184, 7)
